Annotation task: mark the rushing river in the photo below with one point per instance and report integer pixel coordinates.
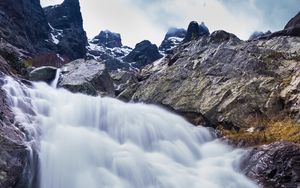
(94, 142)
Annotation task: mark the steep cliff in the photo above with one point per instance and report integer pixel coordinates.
(67, 29)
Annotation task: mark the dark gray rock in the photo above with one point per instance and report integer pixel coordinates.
(294, 22)
(46, 74)
(66, 19)
(195, 31)
(88, 77)
(24, 25)
(173, 37)
(108, 39)
(143, 54)
(276, 165)
(14, 154)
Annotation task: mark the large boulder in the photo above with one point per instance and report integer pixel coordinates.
(89, 77)
(46, 74)
(143, 54)
(67, 29)
(275, 165)
(221, 80)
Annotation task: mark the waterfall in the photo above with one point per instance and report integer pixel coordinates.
(92, 142)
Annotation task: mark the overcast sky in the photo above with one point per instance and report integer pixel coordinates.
(137, 20)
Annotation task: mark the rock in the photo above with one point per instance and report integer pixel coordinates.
(143, 54)
(259, 34)
(292, 28)
(123, 79)
(24, 25)
(223, 36)
(195, 31)
(294, 22)
(108, 39)
(46, 74)
(274, 165)
(203, 29)
(67, 29)
(88, 77)
(14, 155)
(173, 37)
(221, 80)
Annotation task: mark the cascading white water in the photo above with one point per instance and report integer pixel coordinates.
(92, 142)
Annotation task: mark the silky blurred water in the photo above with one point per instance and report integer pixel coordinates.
(94, 142)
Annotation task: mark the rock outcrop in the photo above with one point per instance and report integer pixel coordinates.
(67, 29)
(143, 54)
(195, 31)
(108, 39)
(88, 77)
(14, 154)
(173, 37)
(24, 25)
(274, 165)
(108, 49)
(221, 80)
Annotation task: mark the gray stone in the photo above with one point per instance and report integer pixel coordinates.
(226, 81)
(46, 74)
(89, 77)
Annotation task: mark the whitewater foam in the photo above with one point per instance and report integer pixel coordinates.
(97, 142)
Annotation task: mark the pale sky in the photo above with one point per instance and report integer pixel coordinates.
(137, 20)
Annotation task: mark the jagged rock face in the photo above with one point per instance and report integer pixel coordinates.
(195, 31)
(67, 29)
(23, 24)
(143, 54)
(108, 39)
(88, 77)
(173, 37)
(13, 151)
(275, 165)
(220, 80)
(294, 22)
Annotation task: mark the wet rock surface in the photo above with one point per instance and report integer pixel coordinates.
(14, 154)
(274, 165)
